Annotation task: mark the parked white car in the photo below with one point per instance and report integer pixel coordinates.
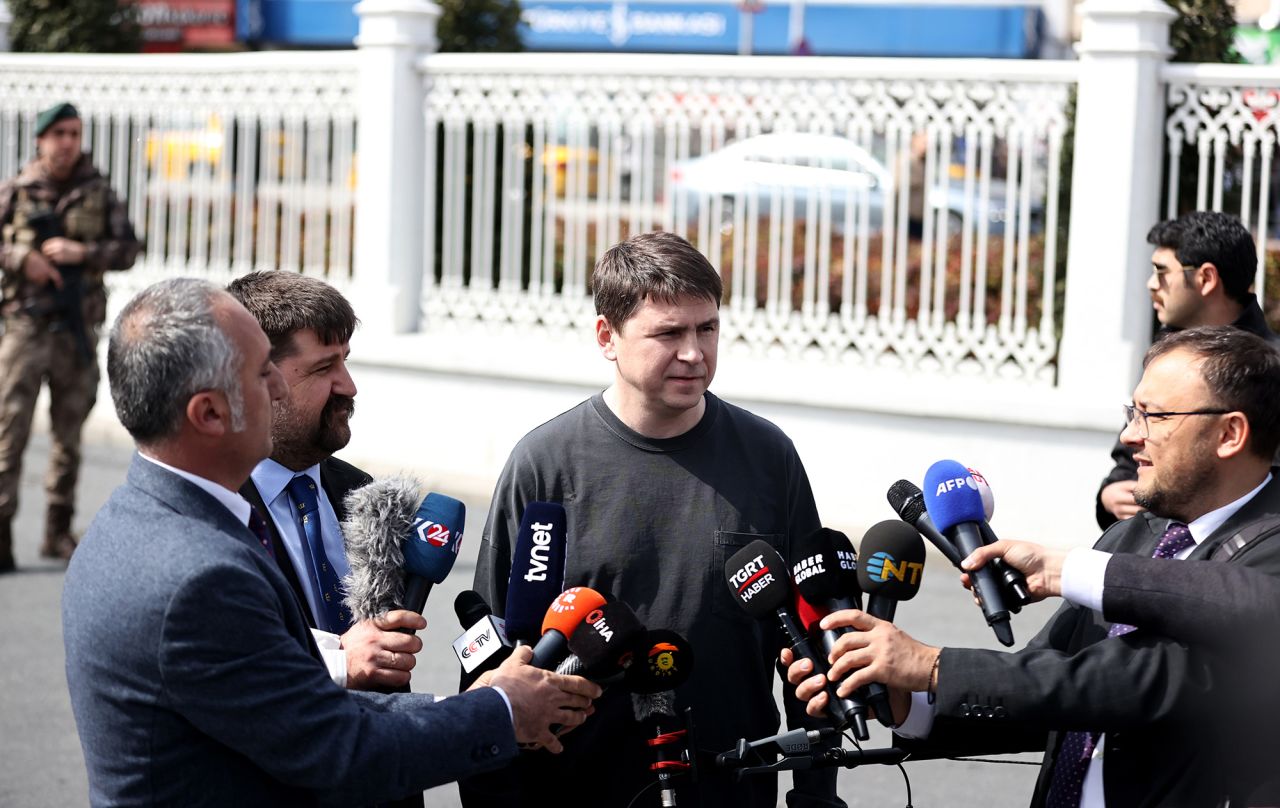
(808, 165)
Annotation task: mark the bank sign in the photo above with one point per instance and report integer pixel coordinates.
(681, 28)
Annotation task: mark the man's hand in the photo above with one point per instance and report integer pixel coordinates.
(39, 271)
(64, 251)
(1041, 565)
(379, 656)
(541, 699)
(877, 652)
(1118, 499)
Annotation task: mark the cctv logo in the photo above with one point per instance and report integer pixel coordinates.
(475, 645)
(884, 567)
(954, 483)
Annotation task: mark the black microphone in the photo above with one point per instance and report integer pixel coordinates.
(666, 663)
(605, 643)
(908, 502)
(824, 568)
(398, 548)
(891, 569)
(537, 569)
(483, 645)
(759, 581)
(951, 496)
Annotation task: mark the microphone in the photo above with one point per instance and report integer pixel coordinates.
(1014, 582)
(563, 616)
(891, 569)
(605, 643)
(951, 496)
(908, 502)
(667, 664)
(757, 577)
(483, 644)
(824, 568)
(397, 548)
(537, 569)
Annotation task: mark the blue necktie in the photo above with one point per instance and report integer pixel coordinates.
(1072, 763)
(331, 615)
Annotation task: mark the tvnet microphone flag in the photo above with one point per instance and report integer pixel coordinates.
(761, 583)
(561, 619)
(824, 568)
(398, 548)
(483, 644)
(891, 570)
(537, 569)
(952, 499)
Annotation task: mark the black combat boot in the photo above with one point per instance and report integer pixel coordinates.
(6, 547)
(59, 542)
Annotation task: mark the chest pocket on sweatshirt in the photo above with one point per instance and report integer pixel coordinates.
(723, 602)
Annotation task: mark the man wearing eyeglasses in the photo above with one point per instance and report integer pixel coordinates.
(1202, 271)
(1125, 716)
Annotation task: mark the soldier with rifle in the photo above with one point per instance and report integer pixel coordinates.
(61, 229)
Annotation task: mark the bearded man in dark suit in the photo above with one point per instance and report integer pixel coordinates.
(1126, 717)
(309, 324)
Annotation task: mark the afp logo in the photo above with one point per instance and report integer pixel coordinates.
(954, 483)
(884, 567)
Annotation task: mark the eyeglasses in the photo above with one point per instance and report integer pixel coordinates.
(1159, 272)
(1131, 412)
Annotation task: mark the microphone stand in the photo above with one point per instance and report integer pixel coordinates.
(818, 753)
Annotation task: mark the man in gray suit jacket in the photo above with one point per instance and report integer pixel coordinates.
(194, 678)
(1126, 717)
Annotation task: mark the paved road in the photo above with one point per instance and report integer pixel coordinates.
(40, 760)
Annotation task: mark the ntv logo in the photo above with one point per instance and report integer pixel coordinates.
(884, 567)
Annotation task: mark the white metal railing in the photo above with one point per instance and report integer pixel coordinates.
(228, 163)
(904, 211)
(1230, 116)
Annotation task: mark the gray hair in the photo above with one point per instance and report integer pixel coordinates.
(165, 347)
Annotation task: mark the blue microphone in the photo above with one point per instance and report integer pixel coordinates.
(537, 569)
(954, 502)
(431, 547)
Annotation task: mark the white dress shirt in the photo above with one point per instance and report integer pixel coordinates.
(1083, 574)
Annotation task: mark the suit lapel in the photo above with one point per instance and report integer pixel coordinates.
(250, 492)
(1265, 503)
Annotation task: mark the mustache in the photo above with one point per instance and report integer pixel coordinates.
(338, 404)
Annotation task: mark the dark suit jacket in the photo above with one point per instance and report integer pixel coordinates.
(1124, 467)
(1153, 697)
(195, 680)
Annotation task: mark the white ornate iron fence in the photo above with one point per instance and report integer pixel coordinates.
(1223, 124)
(228, 163)
(899, 213)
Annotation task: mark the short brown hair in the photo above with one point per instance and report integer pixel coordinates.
(1242, 372)
(285, 303)
(659, 266)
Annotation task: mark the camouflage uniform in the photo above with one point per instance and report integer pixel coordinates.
(38, 346)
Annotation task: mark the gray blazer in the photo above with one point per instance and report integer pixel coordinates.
(195, 680)
(1157, 700)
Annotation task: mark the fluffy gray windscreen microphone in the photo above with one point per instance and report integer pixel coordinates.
(648, 706)
(379, 516)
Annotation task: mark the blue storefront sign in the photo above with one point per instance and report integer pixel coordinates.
(999, 30)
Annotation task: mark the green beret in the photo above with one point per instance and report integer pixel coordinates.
(55, 113)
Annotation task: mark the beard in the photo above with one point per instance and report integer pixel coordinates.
(1170, 498)
(301, 443)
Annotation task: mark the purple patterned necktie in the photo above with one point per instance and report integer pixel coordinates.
(259, 529)
(1076, 752)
